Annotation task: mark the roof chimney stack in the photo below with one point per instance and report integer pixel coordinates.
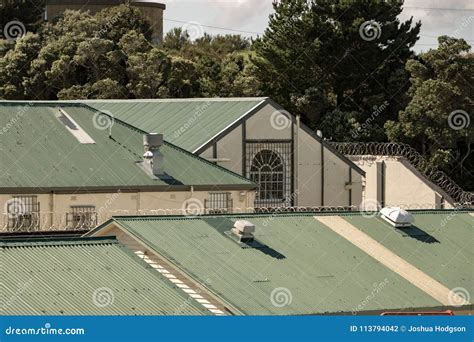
(152, 156)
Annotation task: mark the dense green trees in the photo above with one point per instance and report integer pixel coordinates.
(437, 118)
(346, 67)
(109, 55)
(316, 61)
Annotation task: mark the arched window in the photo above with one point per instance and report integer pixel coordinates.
(267, 170)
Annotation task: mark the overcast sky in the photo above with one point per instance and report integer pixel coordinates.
(451, 17)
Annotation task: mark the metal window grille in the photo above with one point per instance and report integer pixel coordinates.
(219, 203)
(270, 165)
(82, 217)
(23, 213)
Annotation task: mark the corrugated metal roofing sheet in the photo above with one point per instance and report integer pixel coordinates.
(187, 123)
(305, 260)
(440, 244)
(85, 277)
(38, 151)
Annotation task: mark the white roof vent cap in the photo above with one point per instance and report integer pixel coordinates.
(244, 230)
(397, 217)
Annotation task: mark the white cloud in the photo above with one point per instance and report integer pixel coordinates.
(252, 15)
(244, 15)
(450, 20)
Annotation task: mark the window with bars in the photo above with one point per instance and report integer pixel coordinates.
(267, 170)
(219, 203)
(270, 165)
(23, 213)
(82, 217)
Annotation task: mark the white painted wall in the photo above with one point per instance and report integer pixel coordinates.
(53, 207)
(271, 124)
(403, 184)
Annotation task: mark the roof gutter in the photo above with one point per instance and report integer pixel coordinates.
(125, 189)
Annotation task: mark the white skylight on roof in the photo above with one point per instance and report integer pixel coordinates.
(77, 131)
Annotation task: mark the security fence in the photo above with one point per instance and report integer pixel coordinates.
(48, 221)
(433, 174)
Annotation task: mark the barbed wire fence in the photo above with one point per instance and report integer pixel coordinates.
(57, 221)
(432, 173)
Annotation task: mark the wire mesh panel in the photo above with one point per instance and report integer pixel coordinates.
(219, 203)
(23, 213)
(81, 217)
(270, 165)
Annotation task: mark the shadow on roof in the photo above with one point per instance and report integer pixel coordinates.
(418, 234)
(223, 225)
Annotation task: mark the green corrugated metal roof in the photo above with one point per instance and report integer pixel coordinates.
(440, 244)
(38, 151)
(323, 272)
(187, 123)
(79, 277)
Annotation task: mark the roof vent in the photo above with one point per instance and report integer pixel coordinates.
(244, 230)
(152, 156)
(397, 217)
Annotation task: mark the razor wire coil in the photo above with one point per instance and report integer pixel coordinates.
(431, 172)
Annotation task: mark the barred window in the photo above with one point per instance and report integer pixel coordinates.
(219, 203)
(267, 170)
(23, 213)
(82, 217)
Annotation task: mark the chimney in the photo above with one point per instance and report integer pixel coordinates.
(244, 230)
(152, 156)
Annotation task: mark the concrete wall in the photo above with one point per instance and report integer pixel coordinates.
(393, 181)
(152, 12)
(270, 124)
(230, 147)
(342, 186)
(53, 207)
(309, 166)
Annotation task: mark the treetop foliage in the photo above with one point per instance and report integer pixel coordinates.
(347, 67)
